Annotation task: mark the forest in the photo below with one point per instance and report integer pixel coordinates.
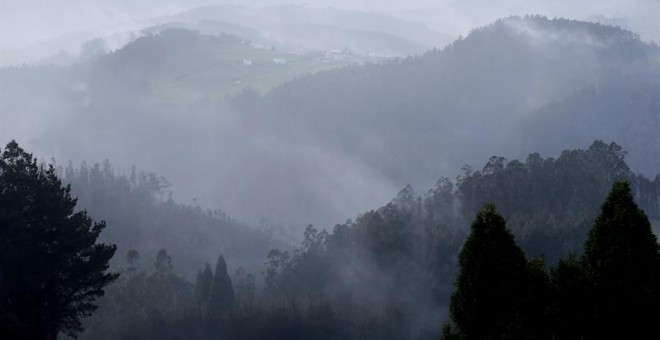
(356, 170)
(541, 237)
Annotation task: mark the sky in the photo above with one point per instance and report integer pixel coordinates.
(40, 26)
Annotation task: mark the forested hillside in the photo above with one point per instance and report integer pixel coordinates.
(477, 92)
(355, 133)
(624, 108)
(387, 274)
(322, 170)
(146, 219)
(509, 88)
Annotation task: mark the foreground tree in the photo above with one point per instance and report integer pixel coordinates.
(51, 268)
(570, 306)
(622, 263)
(492, 283)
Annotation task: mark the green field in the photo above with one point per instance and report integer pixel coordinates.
(216, 71)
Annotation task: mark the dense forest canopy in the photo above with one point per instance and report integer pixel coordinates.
(388, 274)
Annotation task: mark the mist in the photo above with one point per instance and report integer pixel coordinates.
(325, 170)
(182, 115)
(34, 31)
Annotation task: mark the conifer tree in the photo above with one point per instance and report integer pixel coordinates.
(51, 268)
(570, 305)
(203, 286)
(221, 296)
(492, 281)
(622, 262)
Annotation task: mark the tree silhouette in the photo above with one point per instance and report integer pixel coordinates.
(51, 268)
(622, 262)
(203, 286)
(571, 304)
(221, 296)
(492, 281)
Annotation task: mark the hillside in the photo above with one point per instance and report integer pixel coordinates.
(185, 66)
(142, 215)
(403, 121)
(389, 273)
(304, 28)
(624, 108)
(167, 64)
(295, 28)
(356, 132)
(495, 76)
(211, 169)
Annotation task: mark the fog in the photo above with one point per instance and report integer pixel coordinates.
(333, 153)
(34, 30)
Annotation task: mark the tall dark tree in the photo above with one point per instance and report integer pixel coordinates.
(221, 296)
(571, 304)
(622, 261)
(203, 284)
(492, 282)
(534, 318)
(51, 268)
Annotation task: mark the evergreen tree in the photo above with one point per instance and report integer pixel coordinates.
(203, 286)
(492, 281)
(622, 262)
(221, 296)
(534, 309)
(570, 299)
(51, 268)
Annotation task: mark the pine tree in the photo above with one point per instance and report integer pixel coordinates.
(203, 286)
(51, 268)
(622, 262)
(221, 296)
(571, 303)
(492, 281)
(534, 309)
